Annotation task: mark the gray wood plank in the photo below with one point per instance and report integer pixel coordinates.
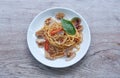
(102, 59)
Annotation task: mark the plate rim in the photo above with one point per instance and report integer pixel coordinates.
(64, 9)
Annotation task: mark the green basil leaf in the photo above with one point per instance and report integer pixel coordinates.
(68, 27)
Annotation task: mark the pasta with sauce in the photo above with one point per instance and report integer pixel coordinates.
(56, 38)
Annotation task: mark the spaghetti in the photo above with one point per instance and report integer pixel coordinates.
(56, 41)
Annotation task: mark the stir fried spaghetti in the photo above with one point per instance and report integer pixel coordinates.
(56, 41)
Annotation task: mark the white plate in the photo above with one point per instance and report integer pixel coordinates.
(38, 53)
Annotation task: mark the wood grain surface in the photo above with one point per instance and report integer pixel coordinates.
(102, 59)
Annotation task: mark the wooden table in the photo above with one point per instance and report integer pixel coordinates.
(102, 59)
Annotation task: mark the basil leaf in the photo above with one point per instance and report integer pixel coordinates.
(68, 27)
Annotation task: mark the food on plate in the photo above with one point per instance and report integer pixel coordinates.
(60, 37)
(60, 15)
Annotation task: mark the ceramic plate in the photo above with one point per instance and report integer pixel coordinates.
(38, 53)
